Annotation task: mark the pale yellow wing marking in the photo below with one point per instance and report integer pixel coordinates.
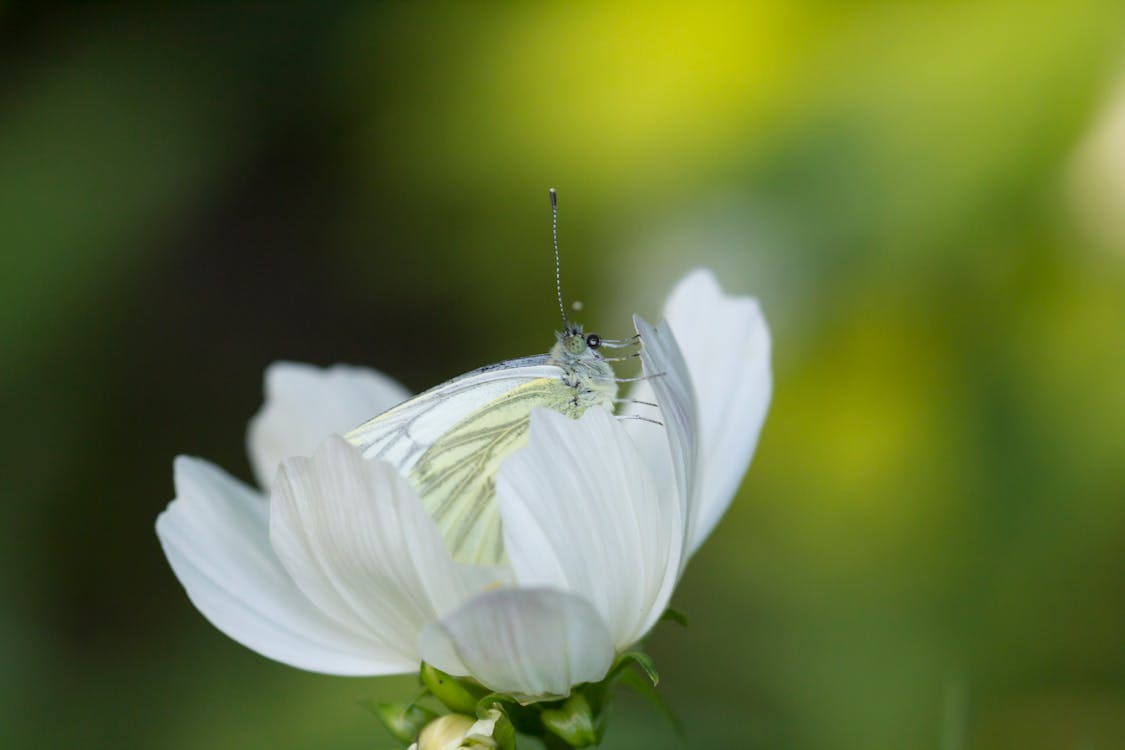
(456, 476)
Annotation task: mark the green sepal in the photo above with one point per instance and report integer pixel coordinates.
(601, 701)
(403, 720)
(504, 733)
(642, 660)
(676, 616)
(646, 690)
(455, 694)
(523, 718)
(492, 699)
(573, 721)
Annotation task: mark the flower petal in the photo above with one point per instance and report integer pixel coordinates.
(354, 536)
(305, 404)
(582, 513)
(726, 344)
(533, 644)
(670, 382)
(215, 535)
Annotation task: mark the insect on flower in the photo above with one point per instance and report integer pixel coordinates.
(505, 527)
(450, 440)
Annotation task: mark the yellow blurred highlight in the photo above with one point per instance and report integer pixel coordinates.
(637, 90)
(872, 418)
(1095, 180)
(641, 94)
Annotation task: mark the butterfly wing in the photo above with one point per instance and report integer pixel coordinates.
(456, 476)
(451, 440)
(403, 433)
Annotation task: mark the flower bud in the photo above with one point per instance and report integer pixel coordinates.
(457, 731)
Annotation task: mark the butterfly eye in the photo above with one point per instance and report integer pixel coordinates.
(593, 341)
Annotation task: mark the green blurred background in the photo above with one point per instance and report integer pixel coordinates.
(928, 198)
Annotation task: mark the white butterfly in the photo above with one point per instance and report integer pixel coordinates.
(450, 440)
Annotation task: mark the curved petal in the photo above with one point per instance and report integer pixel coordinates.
(533, 644)
(215, 535)
(726, 344)
(726, 347)
(582, 513)
(354, 536)
(672, 387)
(305, 404)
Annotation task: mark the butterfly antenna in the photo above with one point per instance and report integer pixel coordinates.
(555, 238)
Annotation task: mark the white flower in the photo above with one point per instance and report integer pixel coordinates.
(342, 571)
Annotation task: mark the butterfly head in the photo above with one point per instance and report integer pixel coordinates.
(576, 343)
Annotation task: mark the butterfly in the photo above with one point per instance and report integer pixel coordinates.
(449, 441)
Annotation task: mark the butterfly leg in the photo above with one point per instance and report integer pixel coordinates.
(641, 377)
(639, 418)
(635, 401)
(621, 343)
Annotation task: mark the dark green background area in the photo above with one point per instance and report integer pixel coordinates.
(929, 549)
